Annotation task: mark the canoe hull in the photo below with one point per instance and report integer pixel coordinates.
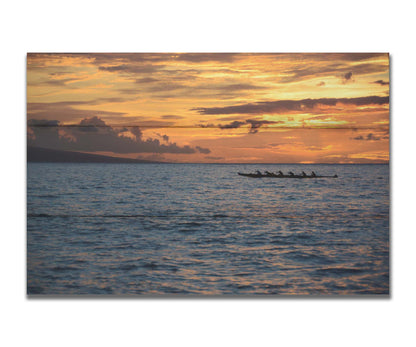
(282, 176)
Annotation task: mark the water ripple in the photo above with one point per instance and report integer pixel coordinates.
(202, 229)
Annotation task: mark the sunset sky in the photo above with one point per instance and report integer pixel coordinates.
(212, 107)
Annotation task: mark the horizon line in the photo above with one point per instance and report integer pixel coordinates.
(199, 163)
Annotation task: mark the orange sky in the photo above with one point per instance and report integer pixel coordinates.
(212, 107)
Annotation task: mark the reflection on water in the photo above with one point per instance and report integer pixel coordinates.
(202, 229)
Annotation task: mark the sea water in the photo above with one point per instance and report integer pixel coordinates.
(180, 229)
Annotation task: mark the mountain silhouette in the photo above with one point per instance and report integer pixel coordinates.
(47, 155)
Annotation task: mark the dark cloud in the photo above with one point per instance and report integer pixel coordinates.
(309, 65)
(108, 58)
(254, 124)
(214, 158)
(165, 87)
(66, 110)
(103, 58)
(59, 73)
(146, 80)
(106, 100)
(347, 77)
(354, 56)
(123, 58)
(131, 68)
(64, 104)
(92, 124)
(369, 137)
(305, 70)
(136, 132)
(129, 91)
(171, 116)
(348, 57)
(282, 106)
(174, 84)
(203, 150)
(206, 57)
(43, 123)
(232, 125)
(207, 90)
(237, 87)
(381, 82)
(153, 124)
(209, 125)
(92, 134)
(55, 82)
(320, 84)
(164, 137)
(135, 63)
(229, 118)
(367, 68)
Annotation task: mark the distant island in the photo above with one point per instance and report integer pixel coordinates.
(47, 155)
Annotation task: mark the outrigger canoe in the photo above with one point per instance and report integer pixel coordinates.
(282, 176)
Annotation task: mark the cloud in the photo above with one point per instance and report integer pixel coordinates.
(203, 150)
(92, 124)
(164, 137)
(139, 63)
(369, 137)
(165, 87)
(131, 68)
(129, 91)
(307, 65)
(66, 110)
(327, 67)
(236, 87)
(146, 80)
(206, 57)
(209, 125)
(282, 106)
(214, 158)
(347, 77)
(320, 84)
(93, 134)
(254, 124)
(136, 132)
(381, 82)
(108, 58)
(232, 125)
(43, 123)
(171, 116)
(55, 82)
(180, 87)
(348, 57)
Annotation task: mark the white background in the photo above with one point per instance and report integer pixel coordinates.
(211, 26)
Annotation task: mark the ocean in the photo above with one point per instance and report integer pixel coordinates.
(201, 229)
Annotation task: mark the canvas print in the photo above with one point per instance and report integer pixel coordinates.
(202, 174)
